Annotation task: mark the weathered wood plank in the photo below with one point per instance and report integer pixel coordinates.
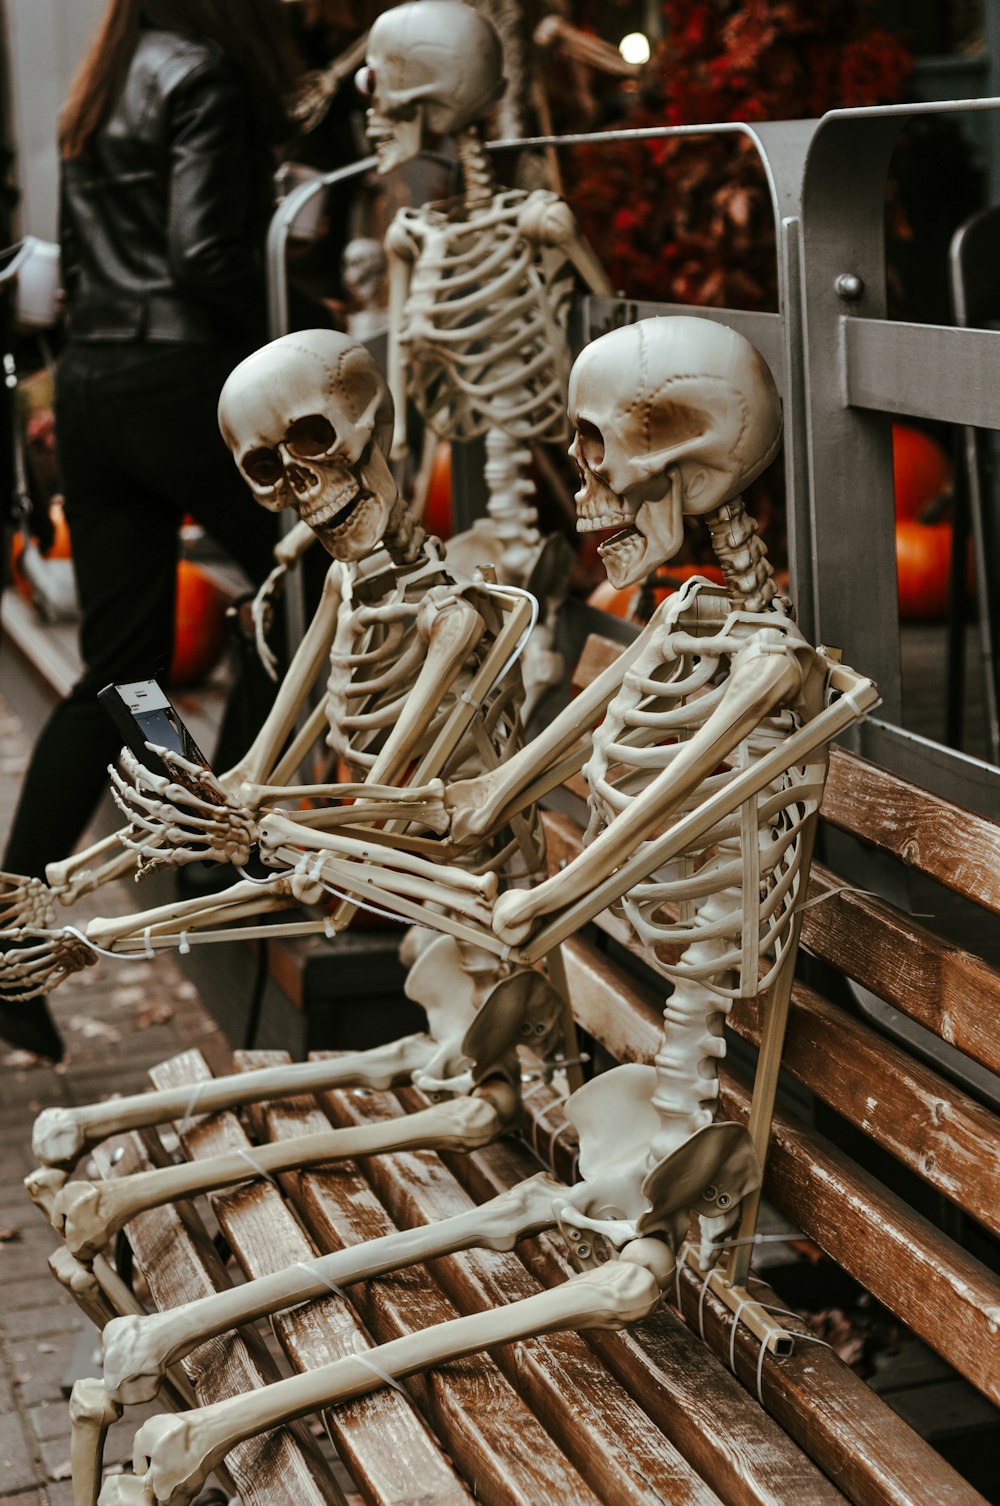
(928, 1124)
(954, 846)
(873, 1456)
(940, 1291)
(373, 1434)
(682, 1387)
(952, 992)
(498, 1445)
(179, 1262)
(623, 1457)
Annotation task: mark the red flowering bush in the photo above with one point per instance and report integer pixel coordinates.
(690, 220)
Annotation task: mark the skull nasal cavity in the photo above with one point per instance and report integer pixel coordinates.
(311, 436)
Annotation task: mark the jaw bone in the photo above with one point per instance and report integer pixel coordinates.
(87, 1214)
(174, 1455)
(137, 1349)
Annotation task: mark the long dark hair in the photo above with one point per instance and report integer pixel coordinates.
(252, 33)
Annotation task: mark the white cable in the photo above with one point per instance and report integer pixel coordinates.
(522, 641)
(383, 1375)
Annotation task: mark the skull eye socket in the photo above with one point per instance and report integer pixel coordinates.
(311, 436)
(364, 81)
(591, 444)
(264, 467)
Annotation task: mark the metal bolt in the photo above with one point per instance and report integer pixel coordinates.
(849, 286)
(710, 1194)
(583, 1251)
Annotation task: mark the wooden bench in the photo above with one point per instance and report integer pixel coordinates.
(683, 1409)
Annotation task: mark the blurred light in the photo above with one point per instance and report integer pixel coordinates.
(635, 47)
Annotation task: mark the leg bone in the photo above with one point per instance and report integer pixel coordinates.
(87, 1214)
(137, 1349)
(91, 1413)
(178, 1453)
(62, 1135)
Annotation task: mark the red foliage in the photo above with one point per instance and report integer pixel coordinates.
(691, 221)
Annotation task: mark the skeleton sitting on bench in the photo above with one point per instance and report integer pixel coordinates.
(422, 683)
(706, 774)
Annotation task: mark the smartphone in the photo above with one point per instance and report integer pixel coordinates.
(143, 714)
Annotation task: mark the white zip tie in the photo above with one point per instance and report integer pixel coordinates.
(359, 904)
(819, 899)
(758, 1239)
(701, 1301)
(383, 1375)
(760, 1370)
(101, 951)
(317, 1275)
(521, 644)
(185, 945)
(251, 1160)
(732, 1333)
(677, 1278)
(192, 1102)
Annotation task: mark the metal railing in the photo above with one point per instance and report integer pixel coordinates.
(844, 370)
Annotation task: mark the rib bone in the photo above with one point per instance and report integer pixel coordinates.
(176, 1454)
(137, 1349)
(87, 1214)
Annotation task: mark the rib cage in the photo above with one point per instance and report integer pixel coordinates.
(668, 694)
(377, 654)
(483, 329)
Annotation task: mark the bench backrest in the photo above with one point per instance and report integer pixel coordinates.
(927, 1137)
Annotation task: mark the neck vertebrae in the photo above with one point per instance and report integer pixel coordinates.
(478, 179)
(748, 573)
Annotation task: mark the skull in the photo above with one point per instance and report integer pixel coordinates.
(362, 268)
(673, 416)
(309, 420)
(433, 66)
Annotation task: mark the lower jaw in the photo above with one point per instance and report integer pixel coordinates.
(625, 562)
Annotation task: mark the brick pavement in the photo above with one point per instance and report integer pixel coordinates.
(117, 1020)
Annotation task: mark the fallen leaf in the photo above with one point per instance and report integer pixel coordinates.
(153, 1014)
(10, 1235)
(61, 1471)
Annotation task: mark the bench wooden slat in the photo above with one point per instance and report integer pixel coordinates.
(485, 1426)
(375, 1431)
(578, 1402)
(949, 991)
(664, 1367)
(871, 1453)
(956, 847)
(925, 1278)
(942, 1293)
(935, 1129)
(179, 1262)
(873, 1456)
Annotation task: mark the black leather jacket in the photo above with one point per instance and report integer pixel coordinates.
(163, 221)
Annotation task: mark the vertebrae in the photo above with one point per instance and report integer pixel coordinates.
(748, 573)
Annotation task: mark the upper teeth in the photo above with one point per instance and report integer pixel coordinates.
(325, 509)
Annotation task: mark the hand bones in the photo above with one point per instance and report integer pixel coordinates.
(169, 824)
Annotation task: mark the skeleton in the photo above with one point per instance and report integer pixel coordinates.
(479, 286)
(421, 683)
(705, 777)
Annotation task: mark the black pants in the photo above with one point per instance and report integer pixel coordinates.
(138, 447)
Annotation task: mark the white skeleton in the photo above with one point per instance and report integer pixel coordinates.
(706, 775)
(479, 285)
(422, 684)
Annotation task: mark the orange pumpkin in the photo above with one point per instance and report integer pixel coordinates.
(437, 518)
(200, 629)
(923, 563)
(625, 603)
(921, 470)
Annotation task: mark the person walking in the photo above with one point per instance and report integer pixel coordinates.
(167, 145)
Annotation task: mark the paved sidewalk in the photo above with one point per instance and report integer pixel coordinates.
(117, 1021)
